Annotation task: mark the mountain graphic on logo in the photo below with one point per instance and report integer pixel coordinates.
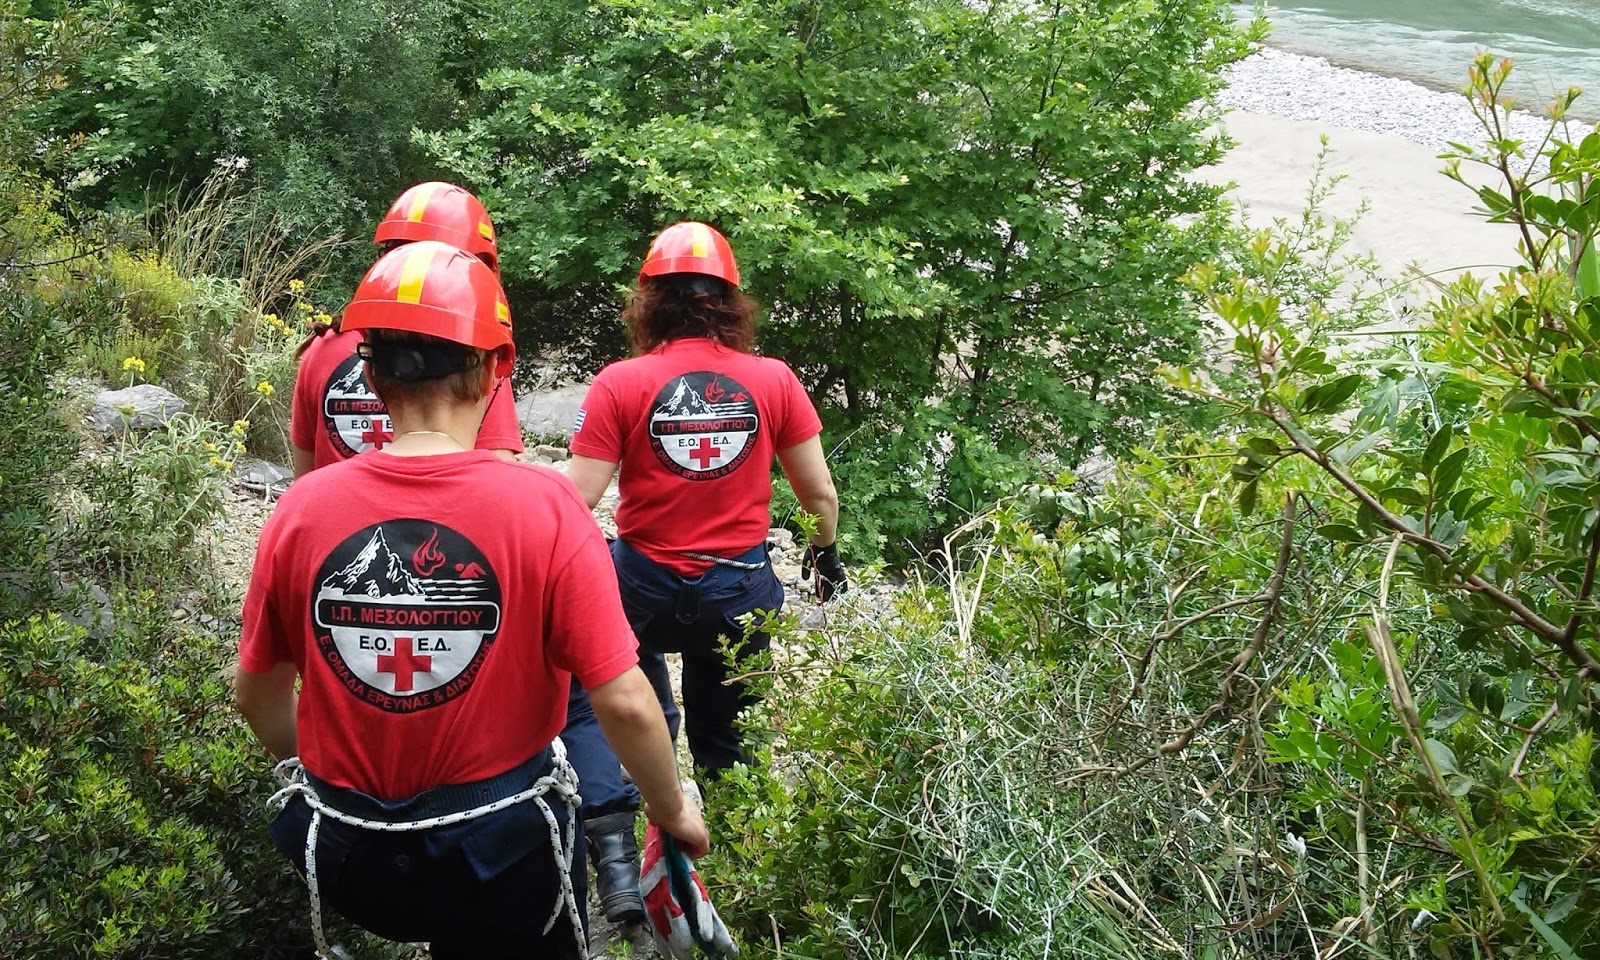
(377, 571)
(350, 382)
(685, 402)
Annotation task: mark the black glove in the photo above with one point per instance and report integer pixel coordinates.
(830, 577)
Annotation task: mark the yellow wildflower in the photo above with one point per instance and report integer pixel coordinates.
(241, 427)
(133, 363)
(306, 307)
(208, 447)
(326, 319)
(126, 409)
(216, 461)
(295, 286)
(227, 464)
(238, 448)
(264, 388)
(271, 320)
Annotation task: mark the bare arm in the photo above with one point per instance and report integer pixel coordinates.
(303, 462)
(268, 702)
(591, 477)
(631, 718)
(807, 470)
(506, 455)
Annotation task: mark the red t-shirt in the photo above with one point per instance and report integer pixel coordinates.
(695, 426)
(336, 416)
(436, 608)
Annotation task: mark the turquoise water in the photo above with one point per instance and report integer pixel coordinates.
(1555, 42)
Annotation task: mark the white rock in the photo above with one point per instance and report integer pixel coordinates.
(551, 413)
(263, 475)
(143, 407)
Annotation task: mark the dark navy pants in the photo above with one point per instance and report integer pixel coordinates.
(600, 779)
(671, 614)
(480, 889)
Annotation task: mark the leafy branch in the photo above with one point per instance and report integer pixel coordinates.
(1228, 687)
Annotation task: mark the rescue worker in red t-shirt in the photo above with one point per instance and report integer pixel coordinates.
(694, 420)
(434, 602)
(336, 416)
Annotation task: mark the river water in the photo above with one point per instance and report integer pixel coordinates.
(1555, 42)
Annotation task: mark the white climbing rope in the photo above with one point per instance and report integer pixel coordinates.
(723, 561)
(561, 779)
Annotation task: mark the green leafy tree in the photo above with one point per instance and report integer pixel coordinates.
(309, 105)
(965, 219)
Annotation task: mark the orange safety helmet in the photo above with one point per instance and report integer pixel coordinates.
(441, 211)
(690, 247)
(435, 289)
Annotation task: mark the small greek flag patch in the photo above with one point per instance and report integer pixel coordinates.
(578, 423)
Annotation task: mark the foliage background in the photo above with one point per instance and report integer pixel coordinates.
(1306, 675)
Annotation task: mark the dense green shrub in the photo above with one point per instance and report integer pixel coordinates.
(122, 304)
(148, 501)
(36, 447)
(130, 810)
(981, 770)
(1466, 458)
(309, 106)
(1141, 723)
(136, 318)
(910, 812)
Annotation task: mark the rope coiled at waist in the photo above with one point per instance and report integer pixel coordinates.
(723, 561)
(561, 779)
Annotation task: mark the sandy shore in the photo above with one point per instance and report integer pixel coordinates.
(1386, 134)
(1416, 215)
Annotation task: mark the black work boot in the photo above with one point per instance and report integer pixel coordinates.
(615, 855)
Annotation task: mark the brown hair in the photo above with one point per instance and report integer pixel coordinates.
(665, 310)
(317, 330)
(463, 386)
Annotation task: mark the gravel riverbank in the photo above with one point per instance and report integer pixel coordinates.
(1300, 87)
(1385, 135)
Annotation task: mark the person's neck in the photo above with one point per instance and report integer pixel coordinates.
(450, 428)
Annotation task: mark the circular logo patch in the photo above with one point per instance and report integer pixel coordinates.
(356, 420)
(404, 613)
(703, 425)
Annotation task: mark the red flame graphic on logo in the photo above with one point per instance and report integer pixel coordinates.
(427, 557)
(714, 391)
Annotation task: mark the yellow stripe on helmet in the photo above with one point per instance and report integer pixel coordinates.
(502, 312)
(485, 230)
(700, 240)
(419, 202)
(413, 272)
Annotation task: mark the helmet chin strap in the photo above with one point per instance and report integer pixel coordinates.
(700, 283)
(420, 361)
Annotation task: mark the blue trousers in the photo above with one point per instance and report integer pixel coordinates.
(673, 614)
(599, 773)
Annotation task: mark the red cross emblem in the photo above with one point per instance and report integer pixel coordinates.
(705, 453)
(378, 435)
(404, 664)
